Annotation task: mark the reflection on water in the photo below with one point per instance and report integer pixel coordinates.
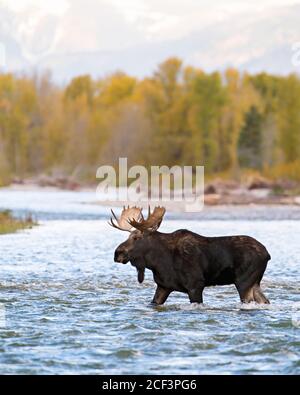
(66, 307)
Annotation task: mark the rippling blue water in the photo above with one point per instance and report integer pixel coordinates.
(66, 307)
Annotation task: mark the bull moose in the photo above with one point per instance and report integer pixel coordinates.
(186, 262)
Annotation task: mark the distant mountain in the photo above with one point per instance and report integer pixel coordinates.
(252, 42)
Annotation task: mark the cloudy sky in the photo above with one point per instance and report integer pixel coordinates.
(41, 28)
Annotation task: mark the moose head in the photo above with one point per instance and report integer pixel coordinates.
(140, 241)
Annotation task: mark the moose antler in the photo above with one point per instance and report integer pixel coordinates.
(152, 223)
(128, 214)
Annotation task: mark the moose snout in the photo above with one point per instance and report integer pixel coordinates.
(121, 255)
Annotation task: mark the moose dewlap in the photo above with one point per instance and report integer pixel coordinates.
(186, 262)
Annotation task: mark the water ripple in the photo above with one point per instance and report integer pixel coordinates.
(66, 307)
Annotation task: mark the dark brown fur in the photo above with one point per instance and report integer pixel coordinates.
(186, 262)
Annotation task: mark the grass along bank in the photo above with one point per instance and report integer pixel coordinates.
(10, 224)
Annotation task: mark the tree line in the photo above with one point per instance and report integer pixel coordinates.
(230, 122)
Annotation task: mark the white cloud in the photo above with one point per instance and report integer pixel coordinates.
(109, 24)
(57, 7)
(171, 19)
(45, 28)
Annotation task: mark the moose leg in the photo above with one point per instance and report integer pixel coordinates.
(195, 295)
(248, 286)
(259, 296)
(246, 295)
(252, 294)
(161, 295)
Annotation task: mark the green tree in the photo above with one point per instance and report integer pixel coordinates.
(289, 117)
(250, 140)
(207, 98)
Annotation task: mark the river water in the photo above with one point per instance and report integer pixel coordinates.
(67, 308)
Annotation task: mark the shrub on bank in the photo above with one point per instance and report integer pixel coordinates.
(10, 224)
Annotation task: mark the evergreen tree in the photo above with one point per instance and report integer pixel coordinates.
(250, 140)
